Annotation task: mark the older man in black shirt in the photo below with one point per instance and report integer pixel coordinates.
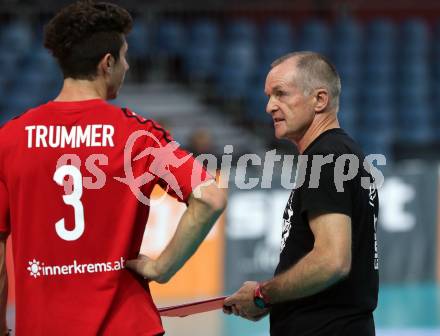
(326, 282)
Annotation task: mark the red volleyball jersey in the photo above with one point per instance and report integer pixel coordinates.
(75, 181)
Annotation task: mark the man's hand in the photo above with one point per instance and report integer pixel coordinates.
(241, 303)
(146, 267)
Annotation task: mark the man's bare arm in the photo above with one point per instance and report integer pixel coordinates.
(195, 224)
(327, 263)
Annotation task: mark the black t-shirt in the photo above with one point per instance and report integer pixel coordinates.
(345, 308)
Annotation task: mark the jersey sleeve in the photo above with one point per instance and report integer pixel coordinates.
(178, 172)
(320, 193)
(4, 208)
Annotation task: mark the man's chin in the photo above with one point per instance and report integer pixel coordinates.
(279, 135)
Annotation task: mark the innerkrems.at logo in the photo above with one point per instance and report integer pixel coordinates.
(34, 268)
(163, 157)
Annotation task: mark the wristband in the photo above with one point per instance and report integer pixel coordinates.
(260, 300)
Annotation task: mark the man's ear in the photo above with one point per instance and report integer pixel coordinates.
(322, 100)
(106, 64)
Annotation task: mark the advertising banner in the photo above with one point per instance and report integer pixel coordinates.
(407, 228)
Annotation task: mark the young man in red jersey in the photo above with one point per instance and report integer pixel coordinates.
(72, 174)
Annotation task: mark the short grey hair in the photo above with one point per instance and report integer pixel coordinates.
(315, 71)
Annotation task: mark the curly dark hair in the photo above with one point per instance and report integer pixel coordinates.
(83, 32)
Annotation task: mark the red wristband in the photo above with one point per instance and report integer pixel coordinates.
(261, 300)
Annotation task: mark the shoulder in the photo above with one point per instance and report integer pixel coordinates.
(10, 133)
(16, 123)
(136, 122)
(335, 142)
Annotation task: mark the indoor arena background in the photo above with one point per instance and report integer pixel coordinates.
(198, 67)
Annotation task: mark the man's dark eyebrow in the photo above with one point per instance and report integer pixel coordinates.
(277, 88)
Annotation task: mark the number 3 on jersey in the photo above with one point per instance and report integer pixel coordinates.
(74, 200)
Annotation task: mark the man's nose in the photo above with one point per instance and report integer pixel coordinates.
(271, 106)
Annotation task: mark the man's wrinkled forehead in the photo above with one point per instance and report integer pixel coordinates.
(282, 74)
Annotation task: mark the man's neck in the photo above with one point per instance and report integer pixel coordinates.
(320, 124)
(79, 89)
